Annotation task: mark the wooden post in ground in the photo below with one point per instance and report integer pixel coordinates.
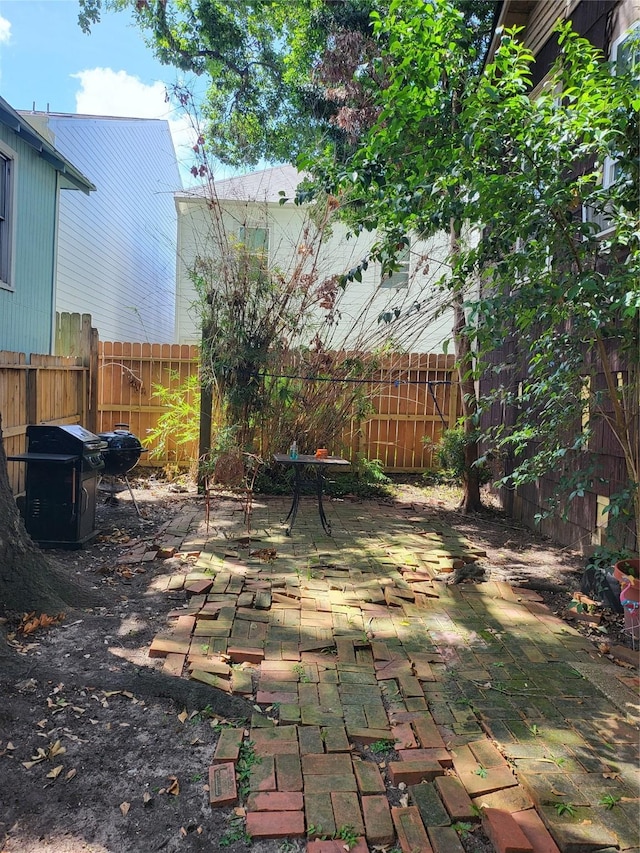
(75, 336)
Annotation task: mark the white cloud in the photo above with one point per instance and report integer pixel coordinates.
(5, 30)
(106, 92)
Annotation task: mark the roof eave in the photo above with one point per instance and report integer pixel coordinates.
(73, 178)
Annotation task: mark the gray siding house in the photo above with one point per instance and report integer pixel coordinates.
(117, 248)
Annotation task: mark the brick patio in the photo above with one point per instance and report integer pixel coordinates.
(354, 639)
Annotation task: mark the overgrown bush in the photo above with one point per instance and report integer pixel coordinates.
(365, 480)
(450, 455)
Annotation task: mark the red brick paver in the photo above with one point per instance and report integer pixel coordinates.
(411, 832)
(275, 824)
(504, 832)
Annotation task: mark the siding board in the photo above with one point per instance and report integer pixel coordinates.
(26, 318)
(117, 247)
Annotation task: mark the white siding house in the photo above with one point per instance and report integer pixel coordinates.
(247, 208)
(117, 248)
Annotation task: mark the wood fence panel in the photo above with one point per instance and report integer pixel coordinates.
(13, 404)
(128, 373)
(413, 396)
(75, 336)
(42, 389)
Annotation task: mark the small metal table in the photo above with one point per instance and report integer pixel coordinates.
(319, 464)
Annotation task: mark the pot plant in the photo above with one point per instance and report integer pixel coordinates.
(627, 573)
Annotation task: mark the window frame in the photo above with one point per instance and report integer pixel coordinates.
(609, 165)
(252, 246)
(8, 161)
(399, 279)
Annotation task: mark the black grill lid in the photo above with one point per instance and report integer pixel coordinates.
(65, 438)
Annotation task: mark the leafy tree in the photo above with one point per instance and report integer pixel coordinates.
(565, 293)
(261, 62)
(507, 175)
(405, 176)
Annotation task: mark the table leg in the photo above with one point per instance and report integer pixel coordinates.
(296, 499)
(320, 486)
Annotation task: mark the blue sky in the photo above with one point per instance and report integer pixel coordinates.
(45, 58)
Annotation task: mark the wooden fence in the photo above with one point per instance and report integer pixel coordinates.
(128, 375)
(413, 396)
(46, 389)
(103, 384)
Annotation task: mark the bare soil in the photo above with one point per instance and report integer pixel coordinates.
(100, 752)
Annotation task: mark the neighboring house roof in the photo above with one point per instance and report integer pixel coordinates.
(72, 177)
(263, 186)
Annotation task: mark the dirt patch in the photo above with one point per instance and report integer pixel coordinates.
(100, 752)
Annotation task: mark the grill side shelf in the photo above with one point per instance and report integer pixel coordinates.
(60, 458)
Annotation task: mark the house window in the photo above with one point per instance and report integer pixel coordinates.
(625, 51)
(6, 217)
(398, 278)
(255, 240)
(255, 246)
(624, 56)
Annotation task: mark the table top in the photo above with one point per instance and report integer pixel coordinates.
(309, 459)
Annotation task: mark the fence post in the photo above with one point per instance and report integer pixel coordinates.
(75, 336)
(32, 413)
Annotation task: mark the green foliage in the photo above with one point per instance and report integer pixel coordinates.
(520, 170)
(235, 832)
(261, 100)
(347, 834)
(382, 747)
(344, 833)
(301, 672)
(246, 761)
(179, 423)
(450, 452)
(365, 480)
(463, 828)
(567, 296)
(609, 801)
(564, 809)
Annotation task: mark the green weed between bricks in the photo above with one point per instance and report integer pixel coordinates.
(564, 809)
(235, 832)
(346, 833)
(247, 760)
(382, 747)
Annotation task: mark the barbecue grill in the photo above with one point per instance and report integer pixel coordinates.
(121, 453)
(63, 463)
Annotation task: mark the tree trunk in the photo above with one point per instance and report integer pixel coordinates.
(27, 580)
(471, 501)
